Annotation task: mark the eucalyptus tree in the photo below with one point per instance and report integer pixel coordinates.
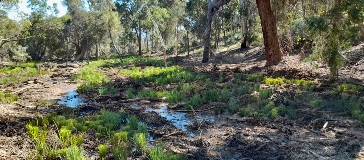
(268, 22)
(196, 17)
(11, 32)
(133, 17)
(91, 23)
(176, 13)
(212, 9)
(46, 39)
(334, 29)
(248, 14)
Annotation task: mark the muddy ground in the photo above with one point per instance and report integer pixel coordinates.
(204, 135)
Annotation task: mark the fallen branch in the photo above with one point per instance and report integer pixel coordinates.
(313, 131)
(173, 133)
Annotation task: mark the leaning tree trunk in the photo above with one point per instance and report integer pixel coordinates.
(212, 8)
(272, 51)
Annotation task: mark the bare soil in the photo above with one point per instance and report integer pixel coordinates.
(226, 137)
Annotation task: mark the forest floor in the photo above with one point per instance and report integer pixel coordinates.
(320, 123)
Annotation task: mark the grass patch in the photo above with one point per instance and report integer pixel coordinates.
(91, 77)
(108, 90)
(19, 73)
(267, 109)
(157, 153)
(122, 133)
(281, 81)
(266, 93)
(161, 76)
(8, 97)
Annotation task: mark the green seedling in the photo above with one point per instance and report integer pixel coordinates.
(102, 151)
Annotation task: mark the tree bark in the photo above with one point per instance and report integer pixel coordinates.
(361, 29)
(244, 33)
(147, 41)
(188, 44)
(272, 51)
(139, 39)
(97, 51)
(212, 8)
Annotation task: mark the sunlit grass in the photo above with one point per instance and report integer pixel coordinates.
(19, 73)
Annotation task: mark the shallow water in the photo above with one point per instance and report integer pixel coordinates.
(180, 120)
(71, 99)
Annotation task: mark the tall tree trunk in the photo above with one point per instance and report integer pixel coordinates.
(212, 8)
(139, 39)
(207, 33)
(114, 44)
(244, 32)
(218, 24)
(224, 32)
(188, 44)
(97, 51)
(272, 51)
(361, 29)
(146, 41)
(80, 51)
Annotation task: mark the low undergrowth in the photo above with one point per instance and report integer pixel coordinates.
(8, 97)
(91, 77)
(17, 73)
(93, 80)
(123, 136)
(246, 94)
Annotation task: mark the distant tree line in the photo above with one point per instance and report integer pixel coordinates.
(321, 29)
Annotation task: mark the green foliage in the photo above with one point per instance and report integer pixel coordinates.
(266, 93)
(107, 90)
(273, 81)
(74, 153)
(157, 153)
(345, 103)
(140, 140)
(195, 101)
(130, 93)
(350, 88)
(8, 97)
(112, 120)
(91, 78)
(225, 95)
(245, 89)
(333, 33)
(133, 59)
(120, 145)
(19, 73)
(316, 103)
(210, 95)
(161, 76)
(233, 105)
(68, 139)
(102, 150)
(208, 83)
(281, 81)
(39, 136)
(267, 109)
(174, 96)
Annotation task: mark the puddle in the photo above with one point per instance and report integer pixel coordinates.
(180, 120)
(71, 99)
